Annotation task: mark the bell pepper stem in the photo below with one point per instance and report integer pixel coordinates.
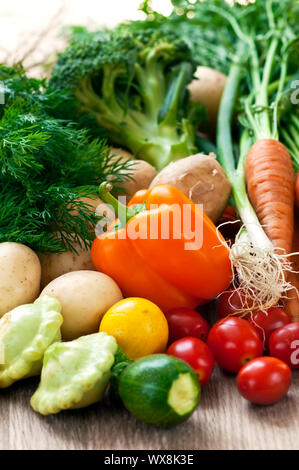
(122, 212)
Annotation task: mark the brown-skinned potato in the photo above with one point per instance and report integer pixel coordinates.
(202, 179)
(55, 264)
(141, 174)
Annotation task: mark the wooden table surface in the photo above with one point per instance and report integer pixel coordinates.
(223, 420)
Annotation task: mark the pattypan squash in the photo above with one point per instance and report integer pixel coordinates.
(25, 334)
(75, 374)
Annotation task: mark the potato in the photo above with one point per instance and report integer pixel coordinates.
(202, 179)
(55, 264)
(207, 88)
(85, 296)
(120, 154)
(93, 202)
(141, 174)
(20, 275)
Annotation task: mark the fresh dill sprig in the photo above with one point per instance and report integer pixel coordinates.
(46, 166)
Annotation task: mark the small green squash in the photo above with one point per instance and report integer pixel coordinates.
(159, 389)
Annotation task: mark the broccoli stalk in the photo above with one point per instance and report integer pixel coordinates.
(135, 85)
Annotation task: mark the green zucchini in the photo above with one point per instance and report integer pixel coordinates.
(159, 389)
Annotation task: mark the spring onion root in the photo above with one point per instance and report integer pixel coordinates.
(261, 273)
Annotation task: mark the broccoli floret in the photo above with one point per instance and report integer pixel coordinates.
(135, 85)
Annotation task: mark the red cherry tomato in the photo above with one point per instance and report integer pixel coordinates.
(265, 322)
(197, 354)
(233, 343)
(264, 380)
(284, 344)
(229, 214)
(231, 302)
(186, 322)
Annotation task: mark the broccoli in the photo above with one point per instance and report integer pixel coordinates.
(134, 83)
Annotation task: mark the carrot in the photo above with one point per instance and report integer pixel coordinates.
(292, 303)
(297, 190)
(270, 184)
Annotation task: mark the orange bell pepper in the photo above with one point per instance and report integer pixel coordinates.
(162, 269)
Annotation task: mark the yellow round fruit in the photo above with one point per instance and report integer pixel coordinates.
(138, 325)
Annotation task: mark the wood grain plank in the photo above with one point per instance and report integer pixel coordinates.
(4, 419)
(223, 420)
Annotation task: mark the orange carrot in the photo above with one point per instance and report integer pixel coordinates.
(297, 190)
(270, 183)
(292, 303)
